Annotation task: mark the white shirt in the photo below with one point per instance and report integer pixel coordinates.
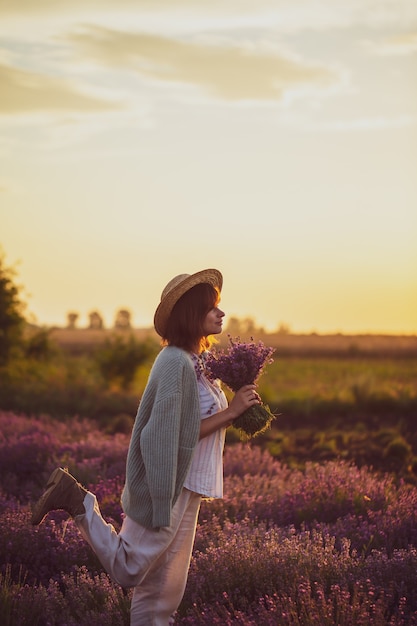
(206, 472)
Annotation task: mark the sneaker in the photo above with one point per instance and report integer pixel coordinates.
(62, 492)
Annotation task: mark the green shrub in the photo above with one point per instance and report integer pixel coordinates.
(118, 358)
(11, 313)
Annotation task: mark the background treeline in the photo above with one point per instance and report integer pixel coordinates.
(336, 396)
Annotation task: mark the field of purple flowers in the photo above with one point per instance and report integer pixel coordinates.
(329, 544)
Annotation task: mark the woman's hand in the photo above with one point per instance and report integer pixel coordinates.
(244, 398)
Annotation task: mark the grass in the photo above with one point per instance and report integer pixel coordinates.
(356, 407)
(308, 380)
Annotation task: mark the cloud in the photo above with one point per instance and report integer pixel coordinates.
(292, 14)
(366, 124)
(26, 92)
(228, 72)
(402, 44)
(51, 6)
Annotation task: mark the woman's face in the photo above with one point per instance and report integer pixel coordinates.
(213, 322)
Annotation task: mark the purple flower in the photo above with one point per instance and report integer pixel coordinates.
(242, 364)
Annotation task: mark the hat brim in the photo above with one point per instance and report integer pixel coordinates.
(162, 313)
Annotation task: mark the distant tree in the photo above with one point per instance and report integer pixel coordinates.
(96, 320)
(249, 326)
(244, 328)
(39, 345)
(122, 319)
(233, 327)
(11, 313)
(283, 329)
(72, 319)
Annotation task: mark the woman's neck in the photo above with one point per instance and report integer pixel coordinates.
(197, 348)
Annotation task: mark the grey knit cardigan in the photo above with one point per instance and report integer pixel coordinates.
(164, 436)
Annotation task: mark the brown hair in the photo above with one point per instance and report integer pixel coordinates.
(184, 328)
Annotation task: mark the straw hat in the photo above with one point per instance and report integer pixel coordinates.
(177, 288)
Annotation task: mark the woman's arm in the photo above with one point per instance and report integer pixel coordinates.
(242, 400)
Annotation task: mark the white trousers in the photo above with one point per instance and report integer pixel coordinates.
(154, 562)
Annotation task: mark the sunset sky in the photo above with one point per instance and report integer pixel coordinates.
(275, 140)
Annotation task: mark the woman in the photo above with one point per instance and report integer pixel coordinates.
(174, 458)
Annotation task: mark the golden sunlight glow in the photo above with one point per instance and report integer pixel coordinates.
(271, 141)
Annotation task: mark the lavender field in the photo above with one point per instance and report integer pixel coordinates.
(327, 544)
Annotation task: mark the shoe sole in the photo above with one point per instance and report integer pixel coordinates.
(54, 479)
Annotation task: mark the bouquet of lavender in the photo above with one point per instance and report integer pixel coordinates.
(242, 364)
